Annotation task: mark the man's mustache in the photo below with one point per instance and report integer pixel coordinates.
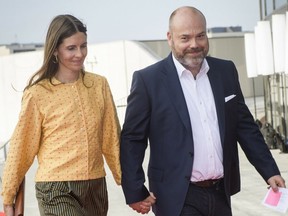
(193, 50)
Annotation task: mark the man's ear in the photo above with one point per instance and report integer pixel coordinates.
(169, 38)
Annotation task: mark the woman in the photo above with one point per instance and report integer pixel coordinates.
(68, 120)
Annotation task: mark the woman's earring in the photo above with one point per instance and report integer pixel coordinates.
(56, 59)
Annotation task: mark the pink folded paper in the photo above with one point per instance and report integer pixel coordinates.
(273, 198)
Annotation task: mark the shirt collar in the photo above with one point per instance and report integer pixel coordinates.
(55, 81)
(180, 68)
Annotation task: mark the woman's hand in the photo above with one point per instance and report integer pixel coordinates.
(9, 210)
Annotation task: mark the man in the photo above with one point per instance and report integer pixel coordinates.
(192, 110)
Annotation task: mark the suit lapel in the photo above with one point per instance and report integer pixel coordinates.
(217, 88)
(173, 86)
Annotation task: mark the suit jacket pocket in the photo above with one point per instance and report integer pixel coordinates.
(155, 174)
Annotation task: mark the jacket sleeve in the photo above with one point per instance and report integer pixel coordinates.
(134, 141)
(23, 147)
(111, 134)
(251, 139)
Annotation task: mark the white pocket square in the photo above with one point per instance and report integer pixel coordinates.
(229, 97)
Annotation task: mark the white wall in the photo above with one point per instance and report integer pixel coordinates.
(15, 70)
(4, 51)
(115, 60)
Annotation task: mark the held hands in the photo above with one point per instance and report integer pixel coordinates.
(9, 210)
(275, 182)
(144, 206)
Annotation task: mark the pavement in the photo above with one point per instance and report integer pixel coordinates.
(246, 203)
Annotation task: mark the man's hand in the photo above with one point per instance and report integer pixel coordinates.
(144, 206)
(8, 210)
(275, 182)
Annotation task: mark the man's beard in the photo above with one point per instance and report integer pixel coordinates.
(188, 61)
(191, 62)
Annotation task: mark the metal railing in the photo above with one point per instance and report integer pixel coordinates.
(4, 147)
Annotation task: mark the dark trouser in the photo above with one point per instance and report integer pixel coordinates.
(206, 201)
(72, 198)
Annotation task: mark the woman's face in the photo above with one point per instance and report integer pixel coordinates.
(72, 52)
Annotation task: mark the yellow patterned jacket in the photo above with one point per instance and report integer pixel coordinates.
(69, 127)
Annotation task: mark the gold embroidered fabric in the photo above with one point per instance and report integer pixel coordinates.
(68, 127)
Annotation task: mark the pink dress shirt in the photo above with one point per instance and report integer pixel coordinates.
(208, 153)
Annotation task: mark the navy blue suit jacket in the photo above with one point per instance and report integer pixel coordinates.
(157, 112)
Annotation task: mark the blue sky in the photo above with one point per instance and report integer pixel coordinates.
(109, 20)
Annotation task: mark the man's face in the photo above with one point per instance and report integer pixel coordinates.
(188, 39)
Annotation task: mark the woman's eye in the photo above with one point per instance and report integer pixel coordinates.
(70, 48)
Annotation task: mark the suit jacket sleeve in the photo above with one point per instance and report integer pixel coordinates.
(251, 140)
(134, 142)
